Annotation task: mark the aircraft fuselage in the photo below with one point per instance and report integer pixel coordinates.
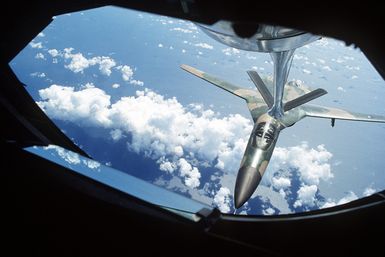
(257, 155)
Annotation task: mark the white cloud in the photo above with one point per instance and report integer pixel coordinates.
(136, 82)
(306, 196)
(341, 89)
(321, 61)
(73, 158)
(230, 51)
(69, 157)
(88, 106)
(158, 127)
(191, 174)
(306, 71)
(78, 63)
(116, 85)
(183, 138)
(326, 68)
(268, 211)
(350, 196)
(160, 45)
(369, 191)
(41, 34)
(281, 182)
(222, 199)
(311, 163)
(127, 72)
(204, 45)
(105, 64)
(38, 74)
(53, 52)
(167, 166)
(38, 45)
(39, 56)
(181, 30)
(116, 134)
(328, 204)
(178, 150)
(91, 164)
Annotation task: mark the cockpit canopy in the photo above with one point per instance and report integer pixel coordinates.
(264, 135)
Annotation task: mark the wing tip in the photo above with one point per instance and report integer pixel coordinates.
(192, 70)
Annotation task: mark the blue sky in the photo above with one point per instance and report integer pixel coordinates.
(110, 79)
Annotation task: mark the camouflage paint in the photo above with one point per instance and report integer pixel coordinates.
(257, 156)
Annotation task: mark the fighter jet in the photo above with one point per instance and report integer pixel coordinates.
(276, 104)
(267, 126)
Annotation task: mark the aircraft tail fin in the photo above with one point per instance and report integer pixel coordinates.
(304, 99)
(238, 91)
(266, 95)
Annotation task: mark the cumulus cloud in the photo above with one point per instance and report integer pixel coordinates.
(222, 199)
(126, 71)
(306, 196)
(326, 68)
(53, 52)
(281, 182)
(39, 56)
(38, 74)
(38, 45)
(88, 105)
(181, 30)
(231, 51)
(191, 174)
(369, 191)
(350, 196)
(166, 165)
(73, 158)
(136, 82)
(116, 134)
(312, 164)
(268, 211)
(78, 63)
(204, 45)
(115, 85)
(91, 164)
(69, 157)
(41, 34)
(184, 138)
(158, 127)
(105, 64)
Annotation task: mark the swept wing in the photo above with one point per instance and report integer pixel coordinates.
(335, 113)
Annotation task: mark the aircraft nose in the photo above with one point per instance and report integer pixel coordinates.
(248, 179)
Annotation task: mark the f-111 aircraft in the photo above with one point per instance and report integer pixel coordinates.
(273, 107)
(271, 114)
(267, 126)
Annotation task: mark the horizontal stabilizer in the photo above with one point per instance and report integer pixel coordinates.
(261, 87)
(238, 91)
(334, 113)
(304, 99)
